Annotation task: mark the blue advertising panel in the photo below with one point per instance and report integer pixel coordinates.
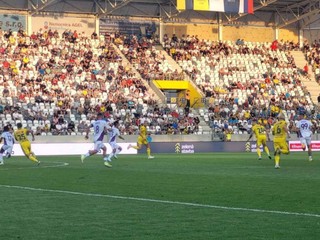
(202, 147)
(13, 22)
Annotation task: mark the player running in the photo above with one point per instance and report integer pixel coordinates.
(100, 127)
(21, 136)
(261, 136)
(304, 129)
(142, 140)
(280, 133)
(8, 141)
(113, 134)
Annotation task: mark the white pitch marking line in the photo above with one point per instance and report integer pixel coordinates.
(166, 202)
(58, 164)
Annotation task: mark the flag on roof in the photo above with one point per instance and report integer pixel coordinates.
(229, 6)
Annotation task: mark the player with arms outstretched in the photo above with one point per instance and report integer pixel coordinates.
(261, 136)
(100, 127)
(280, 133)
(142, 140)
(304, 130)
(21, 136)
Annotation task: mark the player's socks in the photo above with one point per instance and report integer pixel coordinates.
(32, 158)
(266, 149)
(117, 151)
(277, 160)
(87, 154)
(259, 152)
(135, 147)
(148, 152)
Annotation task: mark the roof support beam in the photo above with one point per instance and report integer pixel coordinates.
(303, 11)
(118, 6)
(98, 6)
(39, 7)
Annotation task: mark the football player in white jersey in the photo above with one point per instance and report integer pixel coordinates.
(100, 127)
(8, 141)
(113, 134)
(304, 130)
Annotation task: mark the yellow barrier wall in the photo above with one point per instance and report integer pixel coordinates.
(195, 97)
(289, 35)
(203, 31)
(250, 34)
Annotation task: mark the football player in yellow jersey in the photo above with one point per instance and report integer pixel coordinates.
(280, 134)
(21, 136)
(261, 136)
(142, 140)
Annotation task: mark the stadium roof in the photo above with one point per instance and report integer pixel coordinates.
(281, 12)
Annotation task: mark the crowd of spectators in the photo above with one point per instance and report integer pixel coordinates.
(243, 80)
(143, 54)
(312, 52)
(56, 83)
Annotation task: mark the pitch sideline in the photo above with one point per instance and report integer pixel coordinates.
(166, 201)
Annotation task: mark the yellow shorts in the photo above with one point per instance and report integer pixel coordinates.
(281, 144)
(261, 140)
(142, 141)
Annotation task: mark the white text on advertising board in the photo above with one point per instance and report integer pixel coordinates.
(187, 148)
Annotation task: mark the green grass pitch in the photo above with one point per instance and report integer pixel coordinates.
(174, 196)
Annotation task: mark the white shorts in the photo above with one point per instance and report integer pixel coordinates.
(98, 146)
(7, 148)
(114, 145)
(305, 141)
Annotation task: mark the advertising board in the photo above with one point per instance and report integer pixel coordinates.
(45, 149)
(13, 22)
(61, 23)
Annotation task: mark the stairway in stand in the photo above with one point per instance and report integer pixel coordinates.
(157, 94)
(312, 86)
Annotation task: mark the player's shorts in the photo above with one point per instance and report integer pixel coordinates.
(98, 145)
(7, 148)
(281, 144)
(114, 145)
(142, 141)
(306, 141)
(261, 140)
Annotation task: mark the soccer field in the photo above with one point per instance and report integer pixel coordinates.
(196, 196)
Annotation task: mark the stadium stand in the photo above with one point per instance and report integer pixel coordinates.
(55, 84)
(242, 79)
